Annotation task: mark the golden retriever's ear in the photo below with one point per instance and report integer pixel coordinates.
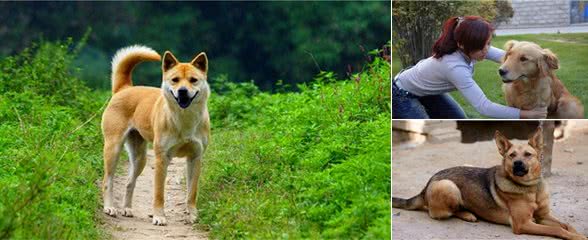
(502, 143)
(536, 140)
(509, 44)
(550, 59)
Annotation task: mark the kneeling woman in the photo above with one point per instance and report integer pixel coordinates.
(423, 90)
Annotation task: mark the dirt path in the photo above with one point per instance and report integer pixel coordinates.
(140, 227)
(411, 168)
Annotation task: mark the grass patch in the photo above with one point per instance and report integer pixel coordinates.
(313, 164)
(571, 49)
(48, 149)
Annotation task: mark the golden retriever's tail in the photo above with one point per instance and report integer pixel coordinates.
(414, 203)
(125, 60)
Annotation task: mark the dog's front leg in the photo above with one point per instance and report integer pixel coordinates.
(544, 230)
(162, 160)
(522, 223)
(552, 221)
(193, 169)
(543, 213)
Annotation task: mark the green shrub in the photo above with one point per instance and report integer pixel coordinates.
(311, 164)
(48, 150)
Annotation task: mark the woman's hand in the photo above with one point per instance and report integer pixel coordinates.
(540, 112)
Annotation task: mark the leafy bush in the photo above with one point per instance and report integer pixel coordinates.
(311, 164)
(48, 150)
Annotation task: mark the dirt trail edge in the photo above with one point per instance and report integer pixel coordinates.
(140, 226)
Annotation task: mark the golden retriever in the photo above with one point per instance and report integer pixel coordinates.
(529, 81)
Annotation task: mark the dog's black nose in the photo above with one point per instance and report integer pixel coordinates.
(502, 72)
(519, 169)
(182, 91)
(519, 163)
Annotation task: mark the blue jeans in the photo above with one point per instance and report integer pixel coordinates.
(406, 105)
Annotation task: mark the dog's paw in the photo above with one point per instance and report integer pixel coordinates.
(578, 237)
(466, 216)
(127, 212)
(110, 211)
(192, 216)
(159, 220)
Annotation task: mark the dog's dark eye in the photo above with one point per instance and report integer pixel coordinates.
(193, 80)
(527, 154)
(175, 79)
(512, 155)
(523, 59)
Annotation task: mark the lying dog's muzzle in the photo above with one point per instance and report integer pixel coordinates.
(183, 99)
(519, 169)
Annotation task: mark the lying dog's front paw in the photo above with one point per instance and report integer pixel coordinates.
(110, 211)
(127, 212)
(159, 220)
(578, 237)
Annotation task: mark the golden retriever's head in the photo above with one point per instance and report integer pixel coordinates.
(526, 60)
(521, 162)
(185, 82)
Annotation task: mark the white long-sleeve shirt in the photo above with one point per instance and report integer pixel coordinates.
(452, 72)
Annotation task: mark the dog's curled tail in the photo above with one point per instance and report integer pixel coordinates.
(125, 60)
(414, 203)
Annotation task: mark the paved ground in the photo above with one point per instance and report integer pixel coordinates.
(576, 28)
(411, 168)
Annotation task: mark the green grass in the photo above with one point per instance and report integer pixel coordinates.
(571, 49)
(49, 148)
(313, 164)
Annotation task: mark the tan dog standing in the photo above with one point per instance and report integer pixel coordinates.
(529, 81)
(173, 117)
(513, 193)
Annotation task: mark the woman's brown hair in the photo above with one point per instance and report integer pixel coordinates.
(471, 32)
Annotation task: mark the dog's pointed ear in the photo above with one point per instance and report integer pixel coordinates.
(536, 140)
(201, 62)
(169, 61)
(550, 58)
(508, 45)
(502, 143)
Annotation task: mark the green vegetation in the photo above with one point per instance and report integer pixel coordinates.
(314, 164)
(310, 164)
(260, 41)
(49, 147)
(571, 50)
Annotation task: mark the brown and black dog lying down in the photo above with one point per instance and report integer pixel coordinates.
(529, 81)
(513, 193)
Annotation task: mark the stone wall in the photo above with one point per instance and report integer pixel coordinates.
(539, 13)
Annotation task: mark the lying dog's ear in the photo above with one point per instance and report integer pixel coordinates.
(536, 140)
(502, 143)
(169, 61)
(550, 59)
(201, 62)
